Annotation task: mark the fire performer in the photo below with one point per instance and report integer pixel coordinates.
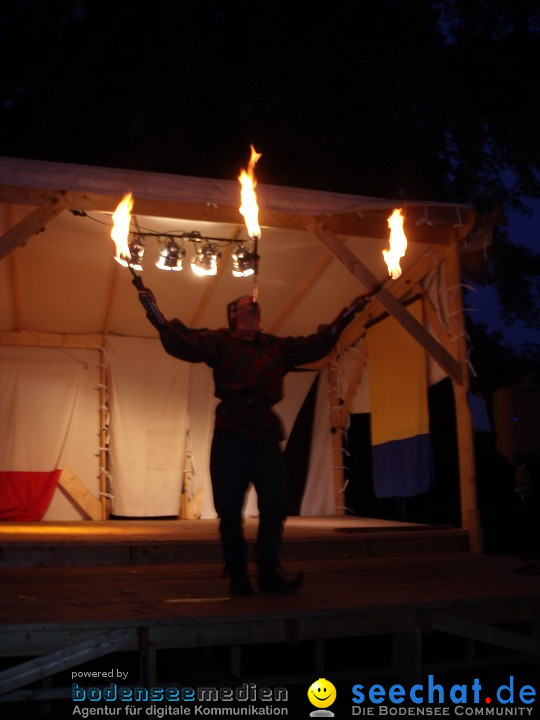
(248, 367)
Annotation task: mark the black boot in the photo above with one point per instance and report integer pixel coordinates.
(271, 580)
(240, 585)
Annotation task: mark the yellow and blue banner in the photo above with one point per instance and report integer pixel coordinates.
(400, 437)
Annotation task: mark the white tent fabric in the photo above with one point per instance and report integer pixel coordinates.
(162, 416)
(200, 424)
(148, 401)
(37, 410)
(49, 409)
(319, 493)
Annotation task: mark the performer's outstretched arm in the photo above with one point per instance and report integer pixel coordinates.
(148, 301)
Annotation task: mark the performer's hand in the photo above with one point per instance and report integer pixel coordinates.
(137, 281)
(356, 306)
(147, 297)
(153, 313)
(359, 303)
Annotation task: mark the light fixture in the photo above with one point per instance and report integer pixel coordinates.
(170, 256)
(130, 247)
(243, 261)
(205, 260)
(136, 252)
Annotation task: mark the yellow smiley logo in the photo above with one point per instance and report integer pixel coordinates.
(321, 693)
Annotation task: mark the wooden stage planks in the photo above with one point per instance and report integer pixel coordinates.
(363, 578)
(154, 541)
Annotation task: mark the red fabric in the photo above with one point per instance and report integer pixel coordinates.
(25, 496)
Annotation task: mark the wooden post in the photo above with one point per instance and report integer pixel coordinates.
(353, 384)
(407, 655)
(103, 437)
(470, 517)
(339, 414)
(190, 500)
(337, 439)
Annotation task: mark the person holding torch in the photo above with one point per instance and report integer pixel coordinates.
(248, 368)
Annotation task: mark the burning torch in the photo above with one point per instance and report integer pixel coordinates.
(392, 256)
(250, 210)
(398, 244)
(124, 256)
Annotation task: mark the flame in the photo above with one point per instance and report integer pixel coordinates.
(120, 231)
(249, 207)
(398, 244)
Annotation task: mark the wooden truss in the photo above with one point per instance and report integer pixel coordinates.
(102, 189)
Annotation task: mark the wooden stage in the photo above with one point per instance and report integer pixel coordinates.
(75, 593)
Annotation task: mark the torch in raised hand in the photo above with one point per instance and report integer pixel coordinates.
(398, 244)
(120, 233)
(250, 210)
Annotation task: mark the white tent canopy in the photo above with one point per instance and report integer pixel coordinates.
(60, 287)
(77, 288)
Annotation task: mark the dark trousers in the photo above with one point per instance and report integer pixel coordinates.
(235, 462)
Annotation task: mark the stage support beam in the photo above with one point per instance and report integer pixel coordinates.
(30, 338)
(407, 655)
(34, 223)
(72, 656)
(104, 488)
(337, 439)
(339, 413)
(80, 494)
(361, 361)
(449, 364)
(480, 632)
(470, 515)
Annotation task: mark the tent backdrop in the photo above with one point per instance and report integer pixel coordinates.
(49, 409)
(69, 312)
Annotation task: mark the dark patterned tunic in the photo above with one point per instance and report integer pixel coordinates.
(248, 374)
